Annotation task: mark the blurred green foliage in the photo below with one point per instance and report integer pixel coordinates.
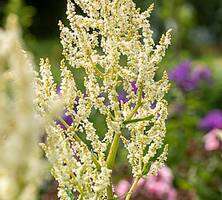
(25, 13)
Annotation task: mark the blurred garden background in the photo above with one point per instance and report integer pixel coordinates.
(194, 64)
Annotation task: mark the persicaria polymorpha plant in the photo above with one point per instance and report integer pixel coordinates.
(97, 41)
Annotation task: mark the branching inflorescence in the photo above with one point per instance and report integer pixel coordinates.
(113, 43)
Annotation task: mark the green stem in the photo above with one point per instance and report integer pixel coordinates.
(133, 187)
(135, 182)
(113, 151)
(137, 120)
(128, 121)
(115, 144)
(111, 160)
(110, 191)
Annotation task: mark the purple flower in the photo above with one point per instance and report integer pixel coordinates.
(58, 90)
(187, 78)
(153, 105)
(212, 120)
(201, 74)
(67, 119)
(106, 100)
(122, 97)
(182, 76)
(134, 87)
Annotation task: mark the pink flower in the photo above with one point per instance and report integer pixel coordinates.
(166, 174)
(157, 188)
(212, 141)
(153, 187)
(172, 194)
(122, 188)
(160, 186)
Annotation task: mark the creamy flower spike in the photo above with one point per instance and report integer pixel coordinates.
(21, 165)
(113, 43)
